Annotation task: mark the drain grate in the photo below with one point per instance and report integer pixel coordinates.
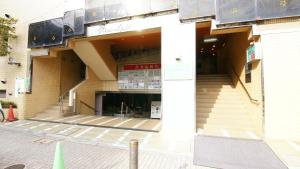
(43, 141)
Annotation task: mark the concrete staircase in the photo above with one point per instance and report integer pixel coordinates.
(220, 106)
(54, 110)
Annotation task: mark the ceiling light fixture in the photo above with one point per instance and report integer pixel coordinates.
(210, 40)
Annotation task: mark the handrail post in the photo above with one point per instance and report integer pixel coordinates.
(133, 154)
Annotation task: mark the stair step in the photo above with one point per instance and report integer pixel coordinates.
(219, 121)
(214, 86)
(222, 100)
(225, 126)
(203, 83)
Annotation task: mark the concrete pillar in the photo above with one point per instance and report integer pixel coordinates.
(178, 78)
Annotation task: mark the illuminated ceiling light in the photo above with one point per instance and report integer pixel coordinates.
(210, 40)
(214, 46)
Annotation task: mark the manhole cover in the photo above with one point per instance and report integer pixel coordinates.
(43, 141)
(17, 166)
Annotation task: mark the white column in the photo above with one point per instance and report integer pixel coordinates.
(178, 78)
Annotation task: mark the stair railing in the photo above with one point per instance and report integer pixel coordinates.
(242, 84)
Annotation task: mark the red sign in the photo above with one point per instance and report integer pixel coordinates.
(142, 66)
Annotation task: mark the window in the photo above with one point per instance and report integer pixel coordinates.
(248, 69)
(2, 93)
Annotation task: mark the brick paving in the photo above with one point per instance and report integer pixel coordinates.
(17, 147)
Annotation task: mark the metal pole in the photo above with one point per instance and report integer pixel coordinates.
(133, 154)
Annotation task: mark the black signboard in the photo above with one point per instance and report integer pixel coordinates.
(189, 9)
(268, 9)
(94, 11)
(233, 11)
(36, 35)
(163, 5)
(73, 23)
(115, 9)
(53, 32)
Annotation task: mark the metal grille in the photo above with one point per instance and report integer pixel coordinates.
(189, 9)
(36, 35)
(73, 23)
(94, 11)
(53, 32)
(268, 9)
(234, 11)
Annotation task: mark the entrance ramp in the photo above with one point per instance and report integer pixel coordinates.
(139, 124)
(232, 153)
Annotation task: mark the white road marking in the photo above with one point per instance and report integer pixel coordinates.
(117, 125)
(139, 124)
(225, 133)
(102, 134)
(17, 122)
(122, 137)
(83, 132)
(52, 127)
(252, 135)
(66, 130)
(42, 124)
(23, 124)
(147, 137)
(82, 118)
(47, 118)
(71, 117)
(294, 145)
(96, 118)
(156, 127)
(107, 121)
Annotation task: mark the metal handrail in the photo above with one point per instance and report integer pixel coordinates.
(87, 105)
(244, 87)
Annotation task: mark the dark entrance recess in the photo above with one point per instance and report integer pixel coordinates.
(136, 105)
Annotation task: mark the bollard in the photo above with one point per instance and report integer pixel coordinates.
(133, 154)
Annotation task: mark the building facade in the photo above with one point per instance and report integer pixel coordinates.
(196, 66)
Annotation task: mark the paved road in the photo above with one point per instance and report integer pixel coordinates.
(17, 147)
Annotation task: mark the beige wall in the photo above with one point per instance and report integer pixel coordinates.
(24, 12)
(45, 86)
(70, 70)
(236, 46)
(3, 71)
(281, 54)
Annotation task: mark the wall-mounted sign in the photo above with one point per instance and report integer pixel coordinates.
(19, 86)
(155, 110)
(254, 52)
(140, 76)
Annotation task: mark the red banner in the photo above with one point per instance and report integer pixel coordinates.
(142, 66)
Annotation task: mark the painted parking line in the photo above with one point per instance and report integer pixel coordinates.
(47, 129)
(225, 133)
(294, 145)
(82, 118)
(252, 135)
(23, 124)
(83, 132)
(42, 124)
(123, 136)
(68, 118)
(66, 130)
(117, 125)
(140, 124)
(86, 122)
(146, 139)
(107, 121)
(103, 133)
(157, 126)
(11, 123)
